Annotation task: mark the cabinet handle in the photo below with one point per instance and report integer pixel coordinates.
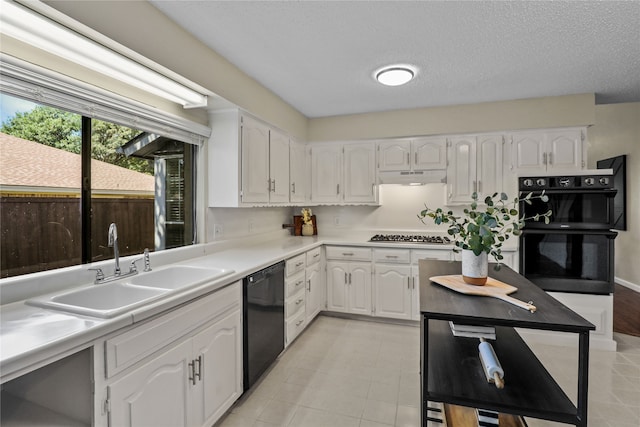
(309, 283)
(346, 278)
(391, 256)
(299, 322)
(337, 188)
(413, 282)
(479, 186)
(408, 282)
(293, 188)
(408, 159)
(550, 159)
(544, 158)
(347, 253)
(299, 301)
(269, 185)
(349, 278)
(316, 255)
(415, 159)
(198, 373)
(299, 282)
(273, 184)
(192, 372)
(298, 264)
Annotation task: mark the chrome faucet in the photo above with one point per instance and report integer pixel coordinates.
(113, 242)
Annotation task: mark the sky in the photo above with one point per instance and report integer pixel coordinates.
(10, 105)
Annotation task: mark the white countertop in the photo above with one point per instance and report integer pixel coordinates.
(31, 337)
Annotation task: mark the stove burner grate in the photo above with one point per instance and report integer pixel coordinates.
(404, 238)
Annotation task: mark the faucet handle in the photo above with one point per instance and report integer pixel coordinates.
(133, 268)
(147, 260)
(99, 274)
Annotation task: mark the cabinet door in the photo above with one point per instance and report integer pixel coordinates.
(359, 173)
(255, 162)
(326, 174)
(461, 172)
(489, 164)
(392, 284)
(394, 155)
(218, 355)
(359, 298)
(337, 281)
(429, 153)
(314, 298)
(564, 150)
(298, 173)
(279, 167)
(156, 394)
(528, 151)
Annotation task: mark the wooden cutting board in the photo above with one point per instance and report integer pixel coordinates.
(493, 288)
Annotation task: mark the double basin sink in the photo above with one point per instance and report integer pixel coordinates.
(112, 299)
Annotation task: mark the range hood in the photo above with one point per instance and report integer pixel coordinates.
(413, 177)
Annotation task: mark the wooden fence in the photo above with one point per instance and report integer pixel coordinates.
(43, 233)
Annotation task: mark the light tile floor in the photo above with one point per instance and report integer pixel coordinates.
(342, 372)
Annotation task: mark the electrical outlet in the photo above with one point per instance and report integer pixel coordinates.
(217, 231)
(336, 220)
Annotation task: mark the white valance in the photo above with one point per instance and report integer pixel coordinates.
(35, 83)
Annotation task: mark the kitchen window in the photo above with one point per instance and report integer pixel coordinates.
(65, 177)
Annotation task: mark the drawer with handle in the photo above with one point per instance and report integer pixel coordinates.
(295, 325)
(395, 256)
(348, 253)
(295, 264)
(295, 283)
(294, 304)
(313, 256)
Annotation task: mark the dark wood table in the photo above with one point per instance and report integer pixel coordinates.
(451, 371)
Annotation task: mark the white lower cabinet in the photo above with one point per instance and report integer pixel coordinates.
(349, 287)
(416, 256)
(392, 283)
(393, 293)
(193, 380)
(314, 300)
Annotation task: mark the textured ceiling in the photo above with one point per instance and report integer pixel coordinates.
(319, 56)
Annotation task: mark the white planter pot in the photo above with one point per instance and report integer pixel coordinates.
(475, 268)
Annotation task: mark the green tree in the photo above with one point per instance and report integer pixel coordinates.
(48, 126)
(62, 129)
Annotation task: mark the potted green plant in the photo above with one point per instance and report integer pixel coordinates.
(481, 232)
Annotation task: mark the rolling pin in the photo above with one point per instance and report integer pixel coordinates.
(491, 364)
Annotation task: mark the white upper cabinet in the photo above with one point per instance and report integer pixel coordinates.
(248, 161)
(359, 173)
(428, 153)
(278, 167)
(394, 155)
(326, 173)
(256, 184)
(343, 173)
(548, 150)
(475, 165)
(298, 173)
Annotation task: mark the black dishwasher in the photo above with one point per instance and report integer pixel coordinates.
(263, 294)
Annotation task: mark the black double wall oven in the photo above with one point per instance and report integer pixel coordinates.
(574, 252)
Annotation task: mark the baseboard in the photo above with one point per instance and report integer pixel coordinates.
(627, 284)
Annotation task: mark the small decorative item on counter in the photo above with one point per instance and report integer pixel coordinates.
(478, 233)
(307, 223)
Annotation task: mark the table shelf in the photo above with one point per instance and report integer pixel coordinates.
(456, 376)
(451, 366)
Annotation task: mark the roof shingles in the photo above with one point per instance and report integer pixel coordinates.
(30, 164)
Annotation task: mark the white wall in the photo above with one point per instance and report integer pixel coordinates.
(239, 222)
(617, 131)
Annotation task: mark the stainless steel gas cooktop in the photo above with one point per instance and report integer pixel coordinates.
(404, 238)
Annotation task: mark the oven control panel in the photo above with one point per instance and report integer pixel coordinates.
(565, 182)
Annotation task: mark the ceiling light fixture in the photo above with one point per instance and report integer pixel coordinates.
(39, 31)
(395, 75)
